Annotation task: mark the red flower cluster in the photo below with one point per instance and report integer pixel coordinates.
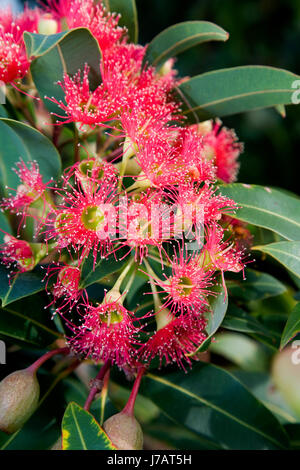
(149, 190)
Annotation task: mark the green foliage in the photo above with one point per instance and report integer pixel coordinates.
(219, 402)
(180, 37)
(235, 90)
(266, 207)
(20, 140)
(80, 431)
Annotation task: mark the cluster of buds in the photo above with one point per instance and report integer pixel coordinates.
(148, 192)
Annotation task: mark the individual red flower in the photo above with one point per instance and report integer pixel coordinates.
(15, 252)
(125, 87)
(175, 158)
(85, 220)
(107, 332)
(174, 342)
(145, 223)
(222, 147)
(200, 204)
(187, 288)
(93, 171)
(13, 60)
(30, 190)
(220, 255)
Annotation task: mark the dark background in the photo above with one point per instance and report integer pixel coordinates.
(263, 32)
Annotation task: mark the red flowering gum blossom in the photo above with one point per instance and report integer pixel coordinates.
(174, 342)
(175, 157)
(91, 171)
(107, 333)
(86, 219)
(199, 205)
(125, 86)
(142, 226)
(75, 13)
(222, 147)
(13, 60)
(188, 286)
(18, 253)
(67, 284)
(30, 189)
(220, 255)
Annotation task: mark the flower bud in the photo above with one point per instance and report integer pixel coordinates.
(124, 431)
(286, 376)
(19, 396)
(47, 25)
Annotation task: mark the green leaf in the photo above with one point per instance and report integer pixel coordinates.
(19, 286)
(213, 404)
(3, 112)
(293, 431)
(235, 90)
(292, 327)
(4, 226)
(262, 387)
(81, 431)
(256, 286)
(18, 140)
(61, 53)
(21, 329)
(266, 207)
(129, 17)
(237, 319)
(216, 315)
(286, 253)
(180, 37)
(94, 272)
(177, 437)
(241, 350)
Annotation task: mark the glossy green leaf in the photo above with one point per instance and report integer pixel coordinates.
(292, 327)
(237, 319)
(266, 207)
(234, 90)
(180, 37)
(286, 253)
(241, 350)
(22, 329)
(4, 226)
(256, 286)
(61, 53)
(94, 272)
(3, 112)
(215, 316)
(81, 431)
(20, 285)
(213, 404)
(18, 140)
(177, 437)
(129, 18)
(293, 431)
(262, 387)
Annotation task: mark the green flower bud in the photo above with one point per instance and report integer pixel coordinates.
(47, 25)
(286, 376)
(19, 396)
(124, 431)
